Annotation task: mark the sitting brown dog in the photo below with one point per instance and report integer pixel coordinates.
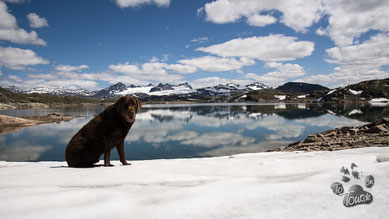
(102, 133)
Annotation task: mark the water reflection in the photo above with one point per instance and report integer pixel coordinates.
(172, 131)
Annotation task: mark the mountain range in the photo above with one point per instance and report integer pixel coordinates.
(255, 92)
(161, 89)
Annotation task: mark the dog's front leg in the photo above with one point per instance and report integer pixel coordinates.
(122, 155)
(107, 158)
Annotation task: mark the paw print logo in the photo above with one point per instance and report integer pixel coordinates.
(356, 194)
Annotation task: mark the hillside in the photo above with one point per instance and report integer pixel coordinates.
(267, 95)
(300, 87)
(365, 90)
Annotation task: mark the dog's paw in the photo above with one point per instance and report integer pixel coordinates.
(356, 194)
(125, 163)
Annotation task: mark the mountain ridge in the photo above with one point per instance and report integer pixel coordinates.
(376, 90)
(120, 89)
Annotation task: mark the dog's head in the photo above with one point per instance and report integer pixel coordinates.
(128, 107)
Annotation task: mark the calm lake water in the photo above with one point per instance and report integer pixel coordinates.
(194, 130)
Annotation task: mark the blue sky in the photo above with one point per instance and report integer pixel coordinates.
(92, 44)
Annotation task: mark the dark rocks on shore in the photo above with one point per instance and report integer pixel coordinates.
(348, 137)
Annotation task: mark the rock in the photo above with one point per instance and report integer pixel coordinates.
(346, 129)
(353, 131)
(373, 134)
(377, 129)
(310, 140)
(385, 120)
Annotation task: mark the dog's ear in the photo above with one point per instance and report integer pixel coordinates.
(120, 103)
(138, 105)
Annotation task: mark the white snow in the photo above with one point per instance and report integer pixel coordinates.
(331, 112)
(301, 106)
(280, 106)
(135, 90)
(379, 100)
(355, 92)
(255, 115)
(146, 90)
(331, 91)
(243, 96)
(301, 96)
(59, 91)
(280, 97)
(355, 111)
(254, 88)
(260, 185)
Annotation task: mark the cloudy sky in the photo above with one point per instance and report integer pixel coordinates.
(92, 44)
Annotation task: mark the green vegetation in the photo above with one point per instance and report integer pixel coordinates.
(267, 95)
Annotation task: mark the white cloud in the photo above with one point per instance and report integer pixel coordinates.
(282, 127)
(135, 3)
(15, 78)
(21, 36)
(356, 62)
(297, 14)
(142, 74)
(321, 32)
(261, 20)
(270, 48)
(283, 73)
(213, 81)
(213, 139)
(182, 69)
(66, 76)
(347, 20)
(151, 69)
(69, 68)
(10, 31)
(7, 20)
(16, 58)
(49, 80)
(22, 151)
(125, 68)
(36, 21)
(200, 40)
(216, 64)
(154, 59)
(55, 79)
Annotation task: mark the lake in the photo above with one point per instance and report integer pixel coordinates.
(190, 130)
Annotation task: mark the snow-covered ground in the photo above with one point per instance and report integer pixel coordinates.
(260, 185)
(356, 92)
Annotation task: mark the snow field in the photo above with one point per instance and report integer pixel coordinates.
(258, 185)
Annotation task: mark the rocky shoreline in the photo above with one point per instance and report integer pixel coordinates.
(348, 137)
(10, 123)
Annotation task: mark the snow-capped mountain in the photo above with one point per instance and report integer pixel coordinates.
(15, 89)
(230, 89)
(111, 91)
(257, 86)
(161, 89)
(365, 90)
(57, 91)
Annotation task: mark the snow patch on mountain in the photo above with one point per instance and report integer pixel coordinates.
(57, 91)
(121, 89)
